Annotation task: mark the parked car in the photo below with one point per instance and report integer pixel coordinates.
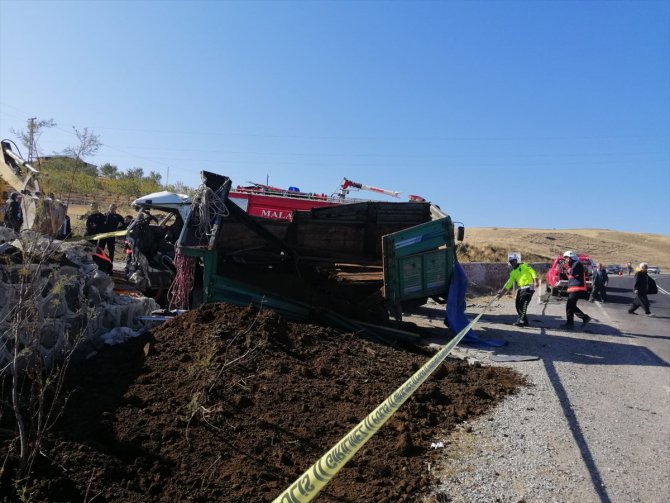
(613, 269)
(653, 269)
(557, 275)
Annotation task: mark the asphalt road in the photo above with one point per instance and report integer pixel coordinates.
(652, 333)
(593, 426)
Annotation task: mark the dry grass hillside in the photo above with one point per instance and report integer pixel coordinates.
(491, 244)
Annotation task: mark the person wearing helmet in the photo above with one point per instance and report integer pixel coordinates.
(576, 290)
(526, 280)
(641, 288)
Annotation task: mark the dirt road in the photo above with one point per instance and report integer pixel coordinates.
(595, 425)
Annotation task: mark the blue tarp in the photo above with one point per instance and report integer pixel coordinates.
(455, 310)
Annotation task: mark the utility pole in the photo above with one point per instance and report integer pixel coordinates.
(32, 148)
(167, 178)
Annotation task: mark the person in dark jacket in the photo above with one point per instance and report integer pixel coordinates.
(113, 222)
(600, 280)
(95, 223)
(14, 214)
(640, 288)
(576, 290)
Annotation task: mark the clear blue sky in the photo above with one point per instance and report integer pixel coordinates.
(543, 114)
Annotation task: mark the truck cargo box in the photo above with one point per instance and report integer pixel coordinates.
(360, 260)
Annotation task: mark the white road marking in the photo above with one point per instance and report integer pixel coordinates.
(602, 309)
(662, 291)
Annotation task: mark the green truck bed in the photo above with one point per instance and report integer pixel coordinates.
(359, 261)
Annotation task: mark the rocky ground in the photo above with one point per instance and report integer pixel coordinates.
(230, 404)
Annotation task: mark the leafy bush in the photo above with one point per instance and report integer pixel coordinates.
(66, 177)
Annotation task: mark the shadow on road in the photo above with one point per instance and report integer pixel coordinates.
(617, 295)
(570, 347)
(576, 430)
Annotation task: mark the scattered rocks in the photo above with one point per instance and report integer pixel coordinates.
(53, 295)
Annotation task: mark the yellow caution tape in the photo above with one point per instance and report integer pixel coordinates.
(308, 485)
(104, 235)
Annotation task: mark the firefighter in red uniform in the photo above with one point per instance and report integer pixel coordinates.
(576, 290)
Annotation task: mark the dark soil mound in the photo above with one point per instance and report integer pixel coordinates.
(230, 404)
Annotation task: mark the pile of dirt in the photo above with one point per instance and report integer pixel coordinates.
(231, 404)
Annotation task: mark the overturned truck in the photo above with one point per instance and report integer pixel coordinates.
(360, 261)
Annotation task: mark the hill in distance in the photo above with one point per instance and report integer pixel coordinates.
(491, 244)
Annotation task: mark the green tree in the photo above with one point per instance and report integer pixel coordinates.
(109, 171)
(154, 176)
(88, 145)
(134, 173)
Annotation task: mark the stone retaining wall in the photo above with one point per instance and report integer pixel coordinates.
(491, 276)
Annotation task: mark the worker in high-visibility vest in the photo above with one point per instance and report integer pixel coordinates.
(576, 290)
(525, 278)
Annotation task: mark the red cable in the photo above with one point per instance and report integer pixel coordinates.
(180, 290)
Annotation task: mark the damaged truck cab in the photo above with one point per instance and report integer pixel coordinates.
(151, 239)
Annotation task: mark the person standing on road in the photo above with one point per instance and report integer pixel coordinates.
(526, 280)
(576, 290)
(600, 280)
(113, 222)
(641, 287)
(629, 268)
